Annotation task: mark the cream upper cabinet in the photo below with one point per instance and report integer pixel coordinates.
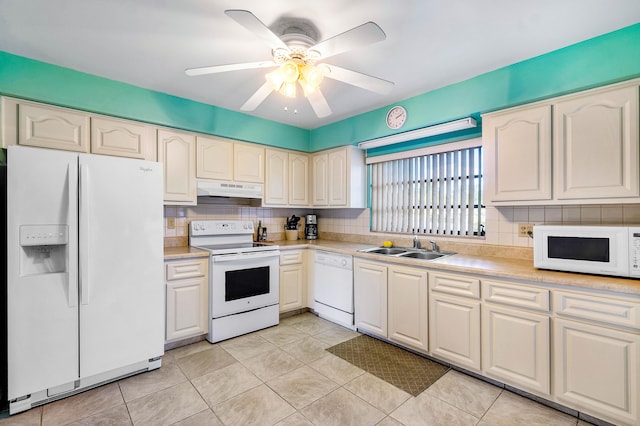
(454, 319)
(407, 309)
(248, 163)
(122, 138)
(370, 297)
(319, 191)
(177, 152)
(214, 158)
(339, 178)
(517, 154)
(286, 178)
(575, 149)
(276, 190)
(298, 179)
(596, 145)
(44, 126)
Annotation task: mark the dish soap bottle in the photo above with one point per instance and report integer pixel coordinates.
(259, 233)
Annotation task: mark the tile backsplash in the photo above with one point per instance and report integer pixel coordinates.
(351, 224)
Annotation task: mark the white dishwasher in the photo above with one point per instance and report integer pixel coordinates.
(333, 287)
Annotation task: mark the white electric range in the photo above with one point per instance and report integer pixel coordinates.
(243, 277)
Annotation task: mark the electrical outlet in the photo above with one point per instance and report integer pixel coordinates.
(525, 230)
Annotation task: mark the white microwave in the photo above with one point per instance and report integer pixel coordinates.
(589, 249)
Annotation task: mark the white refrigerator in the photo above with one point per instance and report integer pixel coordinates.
(85, 286)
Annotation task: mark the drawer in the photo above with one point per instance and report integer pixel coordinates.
(291, 257)
(625, 313)
(516, 295)
(459, 285)
(186, 269)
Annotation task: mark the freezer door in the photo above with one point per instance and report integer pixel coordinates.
(41, 269)
(121, 263)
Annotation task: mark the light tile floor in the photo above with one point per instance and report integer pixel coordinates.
(283, 376)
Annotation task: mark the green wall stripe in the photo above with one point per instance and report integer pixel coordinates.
(30, 79)
(602, 60)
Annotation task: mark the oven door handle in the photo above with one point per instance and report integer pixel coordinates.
(245, 256)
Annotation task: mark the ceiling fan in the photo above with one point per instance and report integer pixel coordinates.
(297, 57)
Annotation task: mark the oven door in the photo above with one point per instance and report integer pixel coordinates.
(242, 282)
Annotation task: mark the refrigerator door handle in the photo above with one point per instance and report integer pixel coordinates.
(84, 234)
(72, 276)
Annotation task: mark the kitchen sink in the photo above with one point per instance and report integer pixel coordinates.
(389, 251)
(424, 255)
(407, 252)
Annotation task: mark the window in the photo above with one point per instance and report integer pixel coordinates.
(438, 193)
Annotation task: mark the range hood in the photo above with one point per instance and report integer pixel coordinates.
(229, 189)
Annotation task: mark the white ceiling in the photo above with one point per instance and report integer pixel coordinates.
(429, 44)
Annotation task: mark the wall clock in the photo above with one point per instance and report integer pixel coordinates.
(396, 117)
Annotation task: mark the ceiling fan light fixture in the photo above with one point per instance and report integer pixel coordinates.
(275, 79)
(289, 89)
(312, 75)
(289, 71)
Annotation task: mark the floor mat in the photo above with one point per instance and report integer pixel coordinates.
(403, 369)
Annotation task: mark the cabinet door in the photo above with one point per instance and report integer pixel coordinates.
(122, 138)
(187, 308)
(454, 330)
(291, 285)
(248, 163)
(177, 152)
(319, 191)
(276, 189)
(515, 348)
(214, 158)
(298, 179)
(51, 127)
(596, 370)
(517, 155)
(596, 145)
(407, 310)
(337, 180)
(370, 297)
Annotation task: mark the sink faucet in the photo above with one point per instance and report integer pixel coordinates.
(434, 246)
(416, 242)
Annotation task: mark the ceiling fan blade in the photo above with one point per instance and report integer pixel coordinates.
(225, 68)
(363, 35)
(364, 81)
(257, 27)
(258, 97)
(319, 103)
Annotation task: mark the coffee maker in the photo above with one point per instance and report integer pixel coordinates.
(311, 227)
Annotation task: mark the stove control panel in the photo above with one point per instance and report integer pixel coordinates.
(220, 227)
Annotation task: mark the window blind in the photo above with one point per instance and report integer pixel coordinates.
(430, 194)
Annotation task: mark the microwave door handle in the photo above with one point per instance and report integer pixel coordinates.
(84, 234)
(72, 276)
(245, 256)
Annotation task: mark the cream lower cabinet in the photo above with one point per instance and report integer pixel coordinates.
(515, 336)
(597, 356)
(407, 309)
(187, 309)
(370, 297)
(454, 319)
(292, 280)
(177, 152)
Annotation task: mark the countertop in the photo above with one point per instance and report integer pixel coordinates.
(499, 267)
